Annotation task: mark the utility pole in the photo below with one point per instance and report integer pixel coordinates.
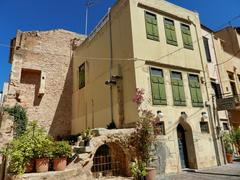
(88, 4)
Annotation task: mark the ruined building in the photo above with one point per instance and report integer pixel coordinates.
(41, 77)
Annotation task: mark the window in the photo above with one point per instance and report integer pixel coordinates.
(204, 127)
(178, 89)
(170, 32)
(225, 126)
(151, 26)
(82, 76)
(217, 90)
(186, 35)
(207, 50)
(158, 87)
(195, 90)
(159, 128)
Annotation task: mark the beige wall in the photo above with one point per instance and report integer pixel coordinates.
(185, 61)
(227, 45)
(129, 41)
(41, 77)
(91, 104)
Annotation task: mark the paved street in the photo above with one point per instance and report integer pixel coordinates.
(226, 172)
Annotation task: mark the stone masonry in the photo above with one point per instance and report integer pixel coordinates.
(41, 77)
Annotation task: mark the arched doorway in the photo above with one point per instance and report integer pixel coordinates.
(186, 146)
(182, 147)
(109, 160)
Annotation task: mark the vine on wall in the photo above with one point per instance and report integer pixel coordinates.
(20, 118)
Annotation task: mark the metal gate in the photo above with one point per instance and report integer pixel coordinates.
(105, 163)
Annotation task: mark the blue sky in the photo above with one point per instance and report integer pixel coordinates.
(30, 15)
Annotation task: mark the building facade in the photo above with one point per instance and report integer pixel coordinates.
(155, 46)
(41, 77)
(227, 42)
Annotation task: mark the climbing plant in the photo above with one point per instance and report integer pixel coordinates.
(20, 118)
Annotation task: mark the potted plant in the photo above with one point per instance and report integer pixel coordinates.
(42, 153)
(61, 151)
(87, 136)
(20, 155)
(236, 138)
(138, 170)
(228, 140)
(144, 136)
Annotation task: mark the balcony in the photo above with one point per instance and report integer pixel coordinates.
(228, 103)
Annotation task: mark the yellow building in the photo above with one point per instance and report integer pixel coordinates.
(227, 42)
(152, 45)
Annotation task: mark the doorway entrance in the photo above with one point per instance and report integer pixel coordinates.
(182, 147)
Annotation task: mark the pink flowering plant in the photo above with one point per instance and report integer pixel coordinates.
(143, 136)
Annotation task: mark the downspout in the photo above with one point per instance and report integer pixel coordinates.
(110, 65)
(214, 108)
(208, 106)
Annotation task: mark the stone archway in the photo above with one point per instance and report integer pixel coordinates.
(110, 160)
(186, 145)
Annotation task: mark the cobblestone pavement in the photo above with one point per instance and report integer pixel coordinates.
(226, 172)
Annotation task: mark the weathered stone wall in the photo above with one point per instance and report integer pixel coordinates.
(41, 77)
(6, 130)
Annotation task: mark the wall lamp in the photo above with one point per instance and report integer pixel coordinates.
(184, 115)
(160, 114)
(204, 115)
(110, 82)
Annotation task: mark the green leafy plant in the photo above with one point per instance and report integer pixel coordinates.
(20, 118)
(228, 139)
(20, 152)
(138, 169)
(61, 149)
(236, 138)
(87, 135)
(33, 143)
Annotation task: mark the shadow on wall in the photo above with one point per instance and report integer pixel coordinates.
(61, 123)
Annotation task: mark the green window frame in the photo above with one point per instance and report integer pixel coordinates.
(195, 90)
(151, 26)
(158, 87)
(186, 36)
(82, 76)
(170, 32)
(178, 89)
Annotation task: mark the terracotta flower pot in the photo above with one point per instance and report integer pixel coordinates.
(59, 164)
(29, 166)
(42, 164)
(229, 158)
(151, 173)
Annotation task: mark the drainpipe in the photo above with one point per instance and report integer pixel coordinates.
(208, 106)
(110, 64)
(214, 108)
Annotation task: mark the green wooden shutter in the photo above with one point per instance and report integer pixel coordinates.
(181, 93)
(195, 89)
(178, 89)
(162, 91)
(176, 96)
(186, 35)
(158, 88)
(151, 26)
(170, 32)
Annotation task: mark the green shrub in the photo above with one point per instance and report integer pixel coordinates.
(61, 149)
(87, 135)
(33, 143)
(20, 118)
(138, 169)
